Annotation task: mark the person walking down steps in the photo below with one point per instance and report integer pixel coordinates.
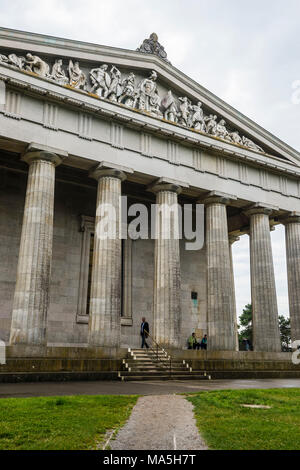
(144, 332)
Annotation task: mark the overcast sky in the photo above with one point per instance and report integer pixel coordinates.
(247, 53)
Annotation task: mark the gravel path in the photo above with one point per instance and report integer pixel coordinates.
(164, 422)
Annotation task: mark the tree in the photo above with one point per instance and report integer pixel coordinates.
(246, 331)
(285, 332)
(245, 326)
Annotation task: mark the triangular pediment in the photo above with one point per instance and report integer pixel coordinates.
(143, 81)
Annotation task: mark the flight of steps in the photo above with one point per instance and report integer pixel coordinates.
(142, 364)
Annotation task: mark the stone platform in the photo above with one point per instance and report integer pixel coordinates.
(28, 364)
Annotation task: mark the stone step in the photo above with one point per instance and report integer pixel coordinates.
(137, 365)
(147, 354)
(149, 361)
(144, 350)
(162, 372)
(153, 369)
(156, 377)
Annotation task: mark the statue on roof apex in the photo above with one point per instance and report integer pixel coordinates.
(152, 46)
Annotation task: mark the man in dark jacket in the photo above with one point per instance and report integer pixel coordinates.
(144, 332)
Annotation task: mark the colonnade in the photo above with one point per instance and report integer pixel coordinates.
(31, 299)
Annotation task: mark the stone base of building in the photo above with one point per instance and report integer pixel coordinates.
(241, 364)
(64, 352)
(35, 364)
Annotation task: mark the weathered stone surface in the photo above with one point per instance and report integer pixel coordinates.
(233, 239)
(167, 279)
(31, 299)
(220, 298)
(263, 289)
(105, 300)
(292, 231)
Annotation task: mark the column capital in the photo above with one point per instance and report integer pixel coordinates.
(36, 152)
(167, 184)
(233, 238)
(259, 208)
(217, 197)
(291, 218)
(109, 169)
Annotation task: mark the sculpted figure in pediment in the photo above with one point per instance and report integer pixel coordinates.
(35, 64)
(13, 59)
(18, 62)
(221, 131)
(77, 76)
(185, 109)
(148, 99)
(235, 137)
(115, 88)
(251, 145)
(101, 81)
(58, 74)
(211, 124)
(196, 117)
(3, 59)
(128, 95)
(170, 108)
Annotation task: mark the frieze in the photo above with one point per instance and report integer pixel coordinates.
(107, 83)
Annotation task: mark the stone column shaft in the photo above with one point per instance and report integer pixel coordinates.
(167, 282)
(292, 234)
(266, 335)
(220, 299)
(232, 240)
(31, 299)
(105, 299)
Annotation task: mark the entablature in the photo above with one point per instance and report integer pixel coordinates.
(78, 101)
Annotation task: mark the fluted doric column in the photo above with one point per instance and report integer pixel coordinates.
(266, 335)
(105, 298)
(31, 299)
(232, 240)
(292, 235)
(220, 302)
(167, 282)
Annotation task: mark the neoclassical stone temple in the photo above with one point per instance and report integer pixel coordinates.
(82, 125)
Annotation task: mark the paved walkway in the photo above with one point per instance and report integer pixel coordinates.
(136, 388)
(160, 423)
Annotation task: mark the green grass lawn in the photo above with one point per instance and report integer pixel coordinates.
(61, 423)
(225, 425)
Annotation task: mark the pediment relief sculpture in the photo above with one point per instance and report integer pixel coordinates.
(108, 83)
